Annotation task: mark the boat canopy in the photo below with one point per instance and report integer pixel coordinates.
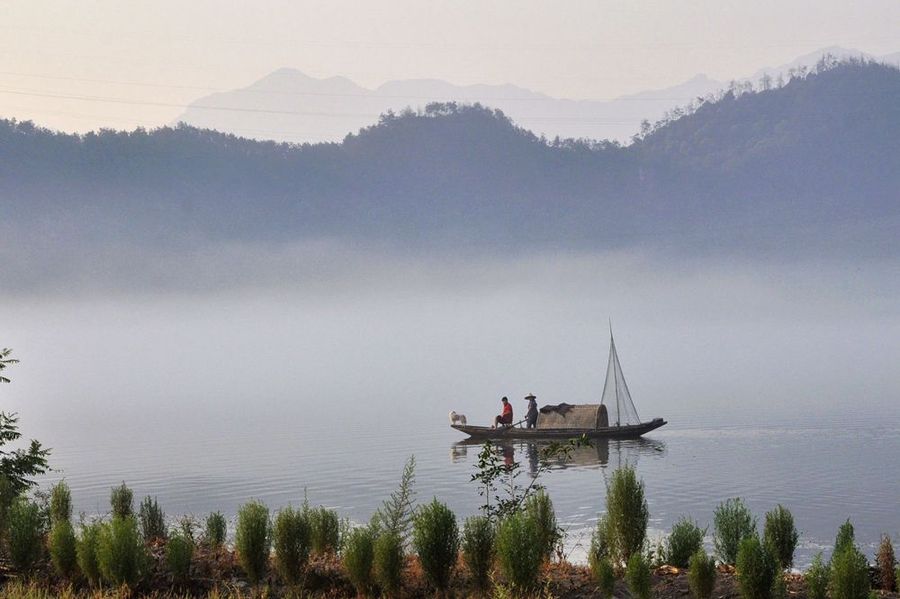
(567, 416)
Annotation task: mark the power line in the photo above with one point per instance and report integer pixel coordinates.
(36, 94)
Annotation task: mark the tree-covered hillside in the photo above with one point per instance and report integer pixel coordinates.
(820, 153)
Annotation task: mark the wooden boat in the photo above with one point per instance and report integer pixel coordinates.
(615, 417)
(627, 431)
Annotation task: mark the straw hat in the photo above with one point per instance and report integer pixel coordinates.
(530, 396)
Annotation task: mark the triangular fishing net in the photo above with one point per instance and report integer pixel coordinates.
(616, 397)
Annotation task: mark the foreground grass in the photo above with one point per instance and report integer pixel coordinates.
(17, 590)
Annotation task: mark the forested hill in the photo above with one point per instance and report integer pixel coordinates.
(818, 157)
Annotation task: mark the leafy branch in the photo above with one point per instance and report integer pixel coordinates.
(6, 361)
(498, 481)
(395, 514)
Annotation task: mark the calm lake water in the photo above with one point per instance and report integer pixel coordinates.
(779, 382)
(823, 469)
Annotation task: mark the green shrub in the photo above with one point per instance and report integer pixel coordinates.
(637, 574)
(388, 562)
(781, 535)
(435, 538)
(63, 552)
(845, 537)
(701, 574)
(25, 527)
(684, 541)
(291, 538)
(216, 529)
(179, 552)
(733, 523)
(599, 548)
(153, 520)
(359, 556)
(519, 553)
(779, 586)
(756, 569)
(8, 496)
(326, 531)
(252, 540)
(121, 500)
(849, 574)
(539, 508)
(478, 549)
(886, 563)
(626, 514)
(60, 503)
(604, 576)
(121, 553)
(87, 549)
(816, 578)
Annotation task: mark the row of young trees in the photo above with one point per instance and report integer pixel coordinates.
(503, 553)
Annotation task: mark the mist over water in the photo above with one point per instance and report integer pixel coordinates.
(278, 371)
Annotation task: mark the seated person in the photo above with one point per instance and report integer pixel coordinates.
(506, 416)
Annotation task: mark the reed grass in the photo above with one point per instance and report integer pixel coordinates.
(604, 575)
(86, 552)
(63, 549)
(599, 548)
(637, 575)
(152, 519)
(60, 503)
(845, 538)
(121, 501)
(539, 508)
(519, 553)
(627, 514)
(359, 557)
(733, 522)
(326, 531)
(780, 535)
(849, 577)
(756, 569)
(816, 578)
(683, 542)
(25, 534)
(216, 530)
(388, 562)
(435, 538)
(701, 574)
(886, 563)
(477, 543)
(291, 539)
(179, 553)
(252, 540)
(121, 553)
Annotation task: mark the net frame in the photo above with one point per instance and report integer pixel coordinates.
(616, 396)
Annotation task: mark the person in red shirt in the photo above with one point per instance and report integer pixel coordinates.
(506, 416)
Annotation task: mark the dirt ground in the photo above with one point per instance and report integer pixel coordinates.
(217, 575)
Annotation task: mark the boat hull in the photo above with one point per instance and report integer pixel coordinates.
(513, 432)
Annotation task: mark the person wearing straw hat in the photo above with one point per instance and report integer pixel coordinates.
(531, 416)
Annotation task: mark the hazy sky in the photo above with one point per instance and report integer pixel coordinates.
(164, 54)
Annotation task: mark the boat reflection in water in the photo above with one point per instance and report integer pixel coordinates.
(598, 454)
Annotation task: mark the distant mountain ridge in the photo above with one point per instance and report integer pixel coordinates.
(288, 105)
(813, 166)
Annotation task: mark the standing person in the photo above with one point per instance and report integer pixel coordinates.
(531, 416)
(506, 415)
